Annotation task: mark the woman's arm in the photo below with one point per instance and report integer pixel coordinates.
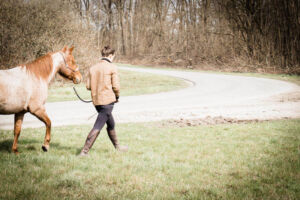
(88, 81)
(115, 82)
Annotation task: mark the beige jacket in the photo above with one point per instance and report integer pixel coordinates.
(103, 81)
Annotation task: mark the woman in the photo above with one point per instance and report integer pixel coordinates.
(103, 81)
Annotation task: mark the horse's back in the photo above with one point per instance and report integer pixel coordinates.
(14, 90)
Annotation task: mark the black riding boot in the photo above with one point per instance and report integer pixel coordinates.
(91, 138)
(113, 138)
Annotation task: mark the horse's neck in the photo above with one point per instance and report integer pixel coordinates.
(57, 60)
(45, 68)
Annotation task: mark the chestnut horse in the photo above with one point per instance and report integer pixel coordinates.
(25, 88)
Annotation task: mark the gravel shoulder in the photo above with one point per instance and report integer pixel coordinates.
(214, 96)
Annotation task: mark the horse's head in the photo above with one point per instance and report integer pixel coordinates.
(69, 69)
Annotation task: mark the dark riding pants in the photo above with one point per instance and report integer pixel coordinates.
(104, 116)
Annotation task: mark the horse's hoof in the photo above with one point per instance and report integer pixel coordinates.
(45, 149)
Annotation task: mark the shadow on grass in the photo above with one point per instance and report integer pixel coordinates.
(78, 151)
(58, 146)
(30, 144)
(6, 145)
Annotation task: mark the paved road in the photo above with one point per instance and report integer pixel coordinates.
(214, 95)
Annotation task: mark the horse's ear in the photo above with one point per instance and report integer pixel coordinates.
(71, 49)
(64, 49)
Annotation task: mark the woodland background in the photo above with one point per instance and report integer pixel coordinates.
(223, 35)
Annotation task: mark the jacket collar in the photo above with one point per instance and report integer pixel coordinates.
(106, 59)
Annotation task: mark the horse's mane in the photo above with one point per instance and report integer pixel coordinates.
(41, 67)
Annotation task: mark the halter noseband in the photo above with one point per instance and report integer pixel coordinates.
(66, 64)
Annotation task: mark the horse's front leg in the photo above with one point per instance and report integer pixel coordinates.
(17, 130)
(42, 115)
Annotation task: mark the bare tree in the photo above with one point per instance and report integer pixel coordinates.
(186, 32)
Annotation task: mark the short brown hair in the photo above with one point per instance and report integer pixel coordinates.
(106, 51)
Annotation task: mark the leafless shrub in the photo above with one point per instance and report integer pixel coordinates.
(32, 28)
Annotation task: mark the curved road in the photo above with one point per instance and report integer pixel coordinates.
(213, 95)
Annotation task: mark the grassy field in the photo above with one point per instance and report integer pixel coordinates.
(284, 77)
(132, 83)
(231, 161)
(135, 83)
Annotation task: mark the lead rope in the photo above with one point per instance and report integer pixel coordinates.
(85, 101)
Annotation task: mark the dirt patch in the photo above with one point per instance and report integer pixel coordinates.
(287, 97)
(205, 121)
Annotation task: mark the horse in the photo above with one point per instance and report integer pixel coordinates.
(25, 89)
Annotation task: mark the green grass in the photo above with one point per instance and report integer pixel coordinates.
(136, 83)
(132, 83)
(284, 77)
(237, 161)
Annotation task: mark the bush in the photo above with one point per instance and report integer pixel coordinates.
(30, 29)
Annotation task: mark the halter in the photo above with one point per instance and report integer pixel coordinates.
(66, 64)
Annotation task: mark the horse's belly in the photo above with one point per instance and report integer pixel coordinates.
(13, 93)
(11, 103)
(8, 108)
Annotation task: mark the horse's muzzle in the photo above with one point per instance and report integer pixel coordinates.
(77, 80)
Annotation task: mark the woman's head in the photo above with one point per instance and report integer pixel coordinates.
(108, 52)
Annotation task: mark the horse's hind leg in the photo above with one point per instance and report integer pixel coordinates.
(17, 130)
(42, 115)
